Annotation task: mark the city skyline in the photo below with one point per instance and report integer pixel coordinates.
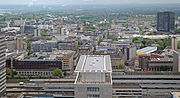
(90, 49)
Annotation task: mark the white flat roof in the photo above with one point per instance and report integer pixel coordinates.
(147, 50)
(96, 63)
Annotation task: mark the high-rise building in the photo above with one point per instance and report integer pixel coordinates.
(129, 52)
(172, 43)
(22, 29)
(166, 21)
(2, 67)
(19, 43)
(37, 32)
(176, 61)
(61, 31)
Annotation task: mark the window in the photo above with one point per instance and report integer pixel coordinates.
(93, 89)
(93, 96)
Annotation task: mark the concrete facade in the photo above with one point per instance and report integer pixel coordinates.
(2, 67)
(93, 80)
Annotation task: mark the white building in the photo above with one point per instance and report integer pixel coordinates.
(94, 78)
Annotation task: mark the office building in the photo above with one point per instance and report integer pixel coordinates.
(65, 45)
(115, 54)
(2, 67)
(86, 50)
(37, 32)
(160, 64)
(166, 22)
(59, 30)
(43, 46)
(94, 77)
(20, 44)
(129, 52)
(156, 63)
(34, 67)
(17, 44)
(176, 61)
(172, 43)
(29, 29)
(67, 59)
(22, 29)
(143, 61)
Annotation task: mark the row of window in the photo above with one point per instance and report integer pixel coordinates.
(128, 90)
(93, 95)
(146, 78)
(93, 89)
(35, 73)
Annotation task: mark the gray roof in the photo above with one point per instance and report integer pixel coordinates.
(94, 63)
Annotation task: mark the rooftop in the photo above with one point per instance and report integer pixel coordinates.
(108, 80)
(162, 59)
(94, 63)
(97, 63)
(175, 94)
(146, 50)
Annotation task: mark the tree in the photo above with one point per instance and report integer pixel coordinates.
(100, 40)
(150, 42)
(161, 45)
(177, 31)
(114, 38)
(165, 42)
(136, 40)
(50, 38)
(57, 72)
(121, 66)
(15, 73)
(144, 42)
(30, 52)
(150, 33)
(8, 71)
(44, 34)
(65, 73)
(29, 46)
(178, 45)
(164, 68)
(77, 47)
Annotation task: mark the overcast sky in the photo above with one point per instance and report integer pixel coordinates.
(70, 2)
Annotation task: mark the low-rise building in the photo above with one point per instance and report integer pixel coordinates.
(65, 46)
(86, 50)
(155, 63)
(34, 67)
(43, 46)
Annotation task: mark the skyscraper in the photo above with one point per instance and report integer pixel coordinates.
(2, 67)
(172, 42)
(166, 21)
(19, 43)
